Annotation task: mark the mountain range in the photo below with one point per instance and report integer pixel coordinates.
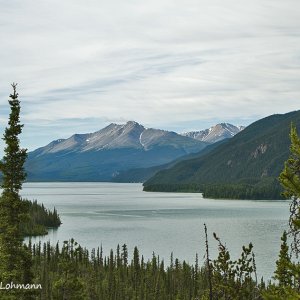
(102, 155)
(245, 166)
(124, 153)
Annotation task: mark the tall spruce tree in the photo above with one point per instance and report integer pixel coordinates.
(286, 276)
(283, 271)
(290, 180)
(15, 258)
(288, 272)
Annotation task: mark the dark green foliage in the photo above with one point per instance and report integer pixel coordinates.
(290, 180)
(287, 275)
(268, 188)
(178, 188)
(251, 160)
(234, 279)
(283, 271)
(14, 256)
(71, 272)
(264, 189)
(287, 271)
(14, 158)
(68, 285)
(74, 273)
(39, 220)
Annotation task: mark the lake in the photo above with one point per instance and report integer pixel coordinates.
(117, 213)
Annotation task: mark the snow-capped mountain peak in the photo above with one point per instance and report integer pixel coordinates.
(215, 133)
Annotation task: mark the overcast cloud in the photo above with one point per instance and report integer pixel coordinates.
(170, 64)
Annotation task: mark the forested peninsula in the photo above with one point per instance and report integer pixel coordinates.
(39, 219)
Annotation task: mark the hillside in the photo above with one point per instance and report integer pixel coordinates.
(143, 174)
(246, 166)
(101, 155)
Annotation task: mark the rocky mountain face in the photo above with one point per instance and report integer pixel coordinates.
(215, 133)
(101, 155)
(114, 136)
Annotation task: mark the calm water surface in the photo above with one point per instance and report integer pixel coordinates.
(113, 213)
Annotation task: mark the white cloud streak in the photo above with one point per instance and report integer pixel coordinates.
(170, 63)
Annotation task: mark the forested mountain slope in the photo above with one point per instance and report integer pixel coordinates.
(247, 166)
(143, 174)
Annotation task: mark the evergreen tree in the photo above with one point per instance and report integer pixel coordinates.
(12, 166)
(283, 271)
(290, 180)
(68, 285)
(288, 272)
(14, 256)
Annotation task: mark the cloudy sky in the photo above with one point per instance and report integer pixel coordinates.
(172, 64)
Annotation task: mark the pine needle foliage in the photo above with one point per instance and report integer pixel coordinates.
(14, 256)
(290, 180)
